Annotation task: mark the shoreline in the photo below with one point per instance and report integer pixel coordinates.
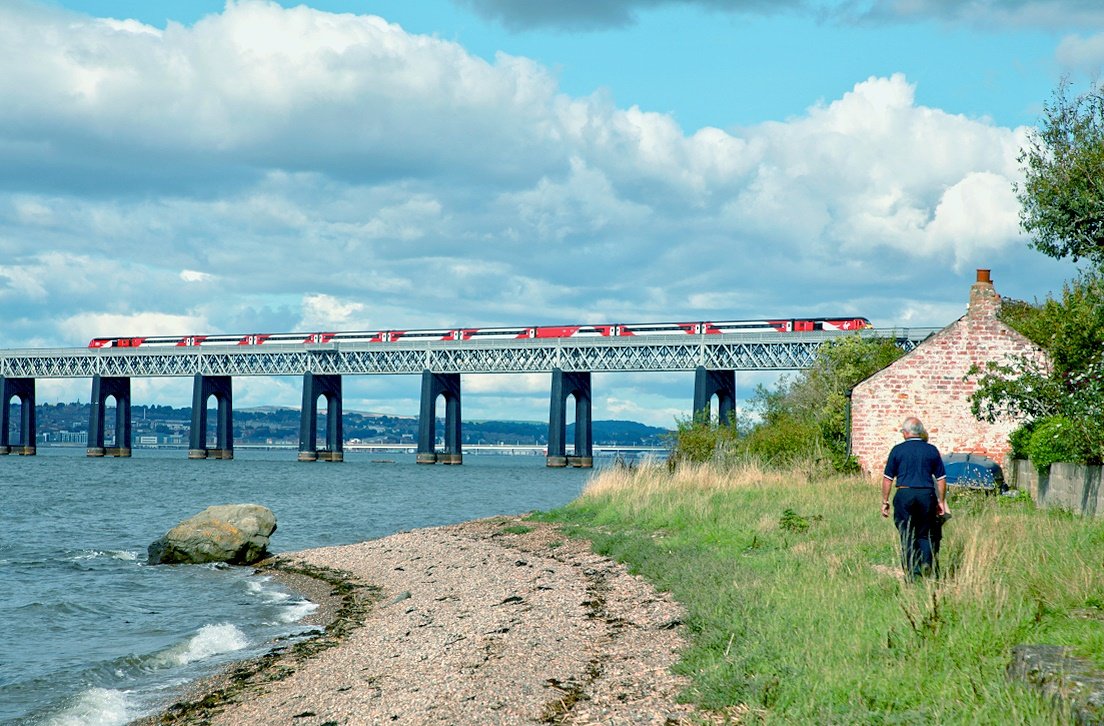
(342, 602)
(496, 620)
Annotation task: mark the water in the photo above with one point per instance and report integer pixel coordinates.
(92, 635)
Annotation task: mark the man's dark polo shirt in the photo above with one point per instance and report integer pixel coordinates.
(914, 462)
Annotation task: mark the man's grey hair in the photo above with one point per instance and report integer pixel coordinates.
(913, 427)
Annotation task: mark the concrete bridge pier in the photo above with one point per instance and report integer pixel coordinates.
(709, 383)
(24, 390)
(313, 387)
(221, 388)
(435, 385)
(102, 389)
(577, 384)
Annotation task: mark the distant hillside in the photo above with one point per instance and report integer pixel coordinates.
(166, 425)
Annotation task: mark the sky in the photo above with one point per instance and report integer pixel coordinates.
(198, 167)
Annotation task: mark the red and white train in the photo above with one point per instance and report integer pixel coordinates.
(789, 325)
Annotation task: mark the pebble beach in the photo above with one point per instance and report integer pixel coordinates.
(494, 621)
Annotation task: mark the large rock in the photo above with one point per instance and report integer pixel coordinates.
(233, 533)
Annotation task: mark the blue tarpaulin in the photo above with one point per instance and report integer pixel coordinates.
(973, 470)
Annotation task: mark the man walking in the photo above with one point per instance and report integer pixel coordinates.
(921, 495)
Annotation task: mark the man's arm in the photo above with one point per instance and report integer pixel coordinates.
(941, 490)
(887, 484)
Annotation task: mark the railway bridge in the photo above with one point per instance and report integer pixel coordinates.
(714, 360)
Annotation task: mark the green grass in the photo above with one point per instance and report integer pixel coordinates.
(796, 610)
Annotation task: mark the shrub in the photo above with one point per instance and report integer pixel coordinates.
(784, 441)
(1055, 439)
(700, 440)
(1021, 440)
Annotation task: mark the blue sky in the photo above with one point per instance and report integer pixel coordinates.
(195, 166)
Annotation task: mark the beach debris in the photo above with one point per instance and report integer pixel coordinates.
(233, 533)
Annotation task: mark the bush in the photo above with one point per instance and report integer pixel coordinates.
(699, 440)
(1055, 439)
(1021, 440)
(784, 441)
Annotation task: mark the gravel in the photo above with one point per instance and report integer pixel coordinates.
(496, 621)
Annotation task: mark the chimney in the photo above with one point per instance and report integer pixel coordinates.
(985, 303)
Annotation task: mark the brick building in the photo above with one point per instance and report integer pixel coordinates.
(930, 383)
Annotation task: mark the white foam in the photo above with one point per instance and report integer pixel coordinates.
(269, 595)
(113, 554)
(211, 640)
(96, 707)
(297, 611)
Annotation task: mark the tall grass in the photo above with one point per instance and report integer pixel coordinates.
(797, 611)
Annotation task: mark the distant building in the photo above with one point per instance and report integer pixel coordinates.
(931, 383)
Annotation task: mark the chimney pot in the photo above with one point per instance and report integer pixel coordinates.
(983, 276)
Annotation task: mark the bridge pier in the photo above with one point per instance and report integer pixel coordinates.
(102, 389)
(24, 390)
(709, 383)
(221, 387)
(435, 385)
(577, 384)
(313, 387)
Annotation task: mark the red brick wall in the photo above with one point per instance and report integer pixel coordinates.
(930, 383)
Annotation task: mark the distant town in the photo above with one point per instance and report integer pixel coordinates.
(66, 424)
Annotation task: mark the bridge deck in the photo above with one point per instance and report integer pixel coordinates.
(737, 351)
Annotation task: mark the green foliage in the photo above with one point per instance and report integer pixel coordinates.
(791, 521)
(1071, 330)
(801, 419)
(1055, 438)
(699, 439)
(783, 441)
(1062, 196)
(807, 416)
(1020, 438)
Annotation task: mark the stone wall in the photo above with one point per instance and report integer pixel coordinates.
(931, 383)
(1075, 487)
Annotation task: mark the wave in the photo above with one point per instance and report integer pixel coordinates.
(126, 555)
(95, 707)
(292, 608)
(211, 640)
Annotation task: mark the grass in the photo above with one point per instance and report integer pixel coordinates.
(796, 612)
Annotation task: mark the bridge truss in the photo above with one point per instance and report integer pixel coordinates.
(735, 351)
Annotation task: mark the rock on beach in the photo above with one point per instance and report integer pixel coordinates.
(233, 533)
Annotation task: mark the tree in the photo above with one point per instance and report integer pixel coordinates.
(807, 415)
(1068, 390)
(1062, 196)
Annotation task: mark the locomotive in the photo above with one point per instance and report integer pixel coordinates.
(785, 325)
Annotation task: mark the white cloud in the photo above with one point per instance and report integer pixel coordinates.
(266, 87)
(1085, 53)
(195, 276)
(326, 312)
(518, 383)
(132, 324)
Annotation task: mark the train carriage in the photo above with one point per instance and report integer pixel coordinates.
(785, 325)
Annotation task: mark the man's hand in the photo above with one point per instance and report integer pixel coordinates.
(885, 509)
(943, 508)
